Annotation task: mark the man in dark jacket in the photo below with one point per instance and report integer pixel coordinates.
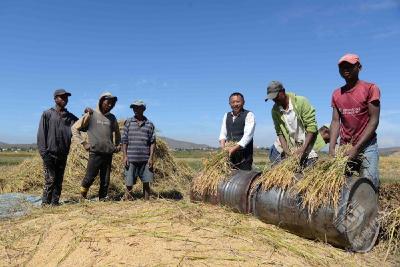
(54, 140)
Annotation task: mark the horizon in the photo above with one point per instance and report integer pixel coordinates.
(184, 58)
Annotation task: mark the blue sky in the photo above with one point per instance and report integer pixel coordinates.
(184, 58)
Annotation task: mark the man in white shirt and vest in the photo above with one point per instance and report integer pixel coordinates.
(238, 126)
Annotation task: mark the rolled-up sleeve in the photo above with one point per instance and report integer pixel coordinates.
(223, 132)
(249, 127)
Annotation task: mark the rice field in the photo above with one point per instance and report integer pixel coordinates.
(170, 231)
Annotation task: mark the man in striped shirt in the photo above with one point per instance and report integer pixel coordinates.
(138, 143)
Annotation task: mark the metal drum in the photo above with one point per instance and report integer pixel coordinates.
(353, 225)
(233, 193)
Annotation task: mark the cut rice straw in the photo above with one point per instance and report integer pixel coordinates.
(390, 223)
(217, 168)
(322, 183)
(281, 175)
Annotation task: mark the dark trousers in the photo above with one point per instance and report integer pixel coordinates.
(242, 161)
(54, 168)
(98, 162)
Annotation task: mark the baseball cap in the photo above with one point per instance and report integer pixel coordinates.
(138, 103)
(351, 58)
(108, 95)
(61, 91)
(273, 89)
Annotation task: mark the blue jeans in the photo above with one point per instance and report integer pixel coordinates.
(368, 163)
(274, 155)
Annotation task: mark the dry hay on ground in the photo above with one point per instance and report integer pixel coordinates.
(389, 198)
(161, 232)
(216, 169)
(28, 176)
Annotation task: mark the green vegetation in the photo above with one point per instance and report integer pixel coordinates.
(14, 158)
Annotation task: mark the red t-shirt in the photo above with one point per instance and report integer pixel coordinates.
(353, 109)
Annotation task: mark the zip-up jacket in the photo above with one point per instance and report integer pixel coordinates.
(54, 133)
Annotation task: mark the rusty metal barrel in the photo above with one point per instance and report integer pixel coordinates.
(233, 192)
(352, 225)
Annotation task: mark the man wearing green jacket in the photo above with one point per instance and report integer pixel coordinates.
(295, 123)
(275, 151)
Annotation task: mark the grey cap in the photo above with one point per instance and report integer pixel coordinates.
(138, 103)
(61, 91)
(273, 89)
(108, 95)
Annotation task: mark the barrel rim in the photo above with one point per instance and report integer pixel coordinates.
(356, 183)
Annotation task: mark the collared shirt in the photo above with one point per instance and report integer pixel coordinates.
(249, 127)
(138, 136)
(296, 130)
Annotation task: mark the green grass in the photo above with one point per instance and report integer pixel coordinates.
(14, 158)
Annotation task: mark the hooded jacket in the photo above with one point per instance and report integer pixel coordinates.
(100, 129)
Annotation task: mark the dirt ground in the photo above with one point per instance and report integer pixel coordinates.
(161, 233)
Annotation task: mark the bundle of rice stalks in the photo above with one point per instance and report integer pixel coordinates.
(217, 168)
(281, 175)
(390, 223)
(322, 183)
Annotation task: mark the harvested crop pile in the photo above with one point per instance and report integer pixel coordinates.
(280, 175)
(389, 198)
(319, 184)
(322, 183)
(167, 170)
(217, 168)
(28, 176)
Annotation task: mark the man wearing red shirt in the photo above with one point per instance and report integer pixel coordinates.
(355, 117)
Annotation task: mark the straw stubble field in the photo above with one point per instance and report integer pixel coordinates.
(166, 232)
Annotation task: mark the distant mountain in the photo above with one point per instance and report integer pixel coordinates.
(172, 143)
(389, 151)
(178, 145)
